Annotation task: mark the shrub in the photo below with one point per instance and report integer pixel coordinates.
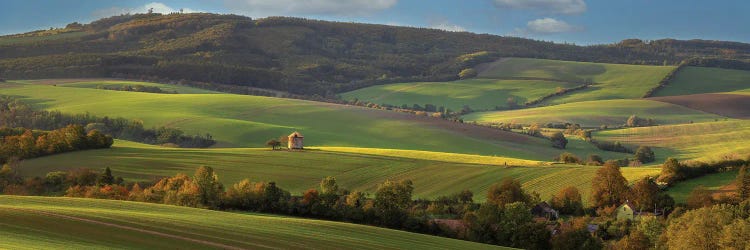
(568, 158)
(644, 154)
(559, 140)
(467, 73)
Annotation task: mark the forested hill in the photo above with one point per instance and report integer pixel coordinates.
(300, 55)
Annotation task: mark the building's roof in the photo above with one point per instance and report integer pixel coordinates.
(629, 204)
(296, 134)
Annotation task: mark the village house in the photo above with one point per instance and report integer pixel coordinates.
(544, 210)
(627, 211)
(295, 141)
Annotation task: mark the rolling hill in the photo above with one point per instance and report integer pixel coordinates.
(702, 141)
(699, 80)
(596, 113)
(71, 223)
(433, 174)
(299, 55)
(248, 121)
(610, 81)
(524, 80)
(479, 94)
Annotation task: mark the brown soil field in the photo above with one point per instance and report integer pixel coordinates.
(729, 105)
(470, 130)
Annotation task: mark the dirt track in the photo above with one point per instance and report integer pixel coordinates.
(729, 105)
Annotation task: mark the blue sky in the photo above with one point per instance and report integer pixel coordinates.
(573, 21)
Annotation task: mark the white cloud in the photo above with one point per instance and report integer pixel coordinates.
(546, 6)
(545, 26)
(264, 8)
(448, 27)
(156, 6)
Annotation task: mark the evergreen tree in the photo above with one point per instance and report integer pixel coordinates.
(106, 178)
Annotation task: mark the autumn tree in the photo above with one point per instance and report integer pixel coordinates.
(700, 197)
(609, 187)
(743, 184)
(328, 185)
(507, 191)
(644, 154)
(699, 229)
(210, 189)
(670, 171)
(644, 194)
(736, 235)
(558, 140)
(567, 157)
(595, 160)
(568, 201)
(579, 239)
(633, 241)
(273, 143)
(391, 201)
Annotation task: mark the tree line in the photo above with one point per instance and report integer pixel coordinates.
(303, 56)
(137, 88)
(16, 114)
(505, 218)
(20, 144)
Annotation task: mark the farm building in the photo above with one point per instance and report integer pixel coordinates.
(544, 210)
(295, 141)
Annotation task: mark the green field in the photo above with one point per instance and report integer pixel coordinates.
(70, 223)
(355, 169)
(248, 121)
(479, 94)
(611, 81)
(697, 80)
(596, 113)
(707, 141)
(681, 190)
(115, 83)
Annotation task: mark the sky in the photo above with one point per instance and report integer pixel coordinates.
(581, 22)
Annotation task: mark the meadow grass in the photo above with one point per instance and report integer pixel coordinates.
(611, 81)
(697, 80)
(249, 121)
(117, 83)
(479, 94)
(680, 191)
(34, 223)
(707, 141)
(433, 174)
(596, 113)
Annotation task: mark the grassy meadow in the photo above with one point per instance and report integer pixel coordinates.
(479, 94)
(433, 174)
(596, 113)
(71, 223)
(118, 83)
(698, 80)
(707, 141)
(681, 190)
(611, 81)
(248, 121)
